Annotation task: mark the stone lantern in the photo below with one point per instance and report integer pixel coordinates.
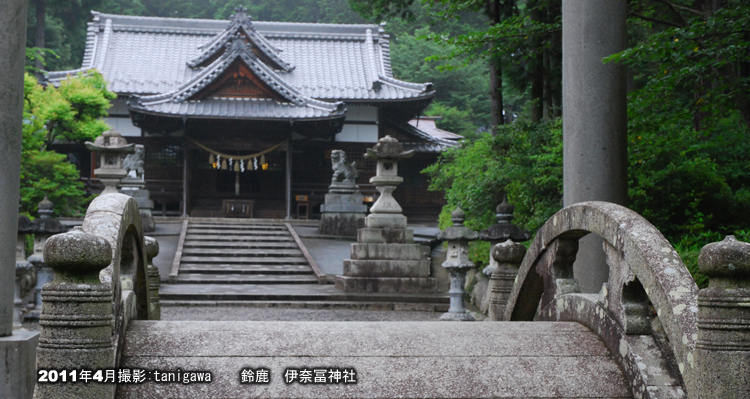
(385, 258)
(386, 212)
(457, 263)
(43, 227)
(111, 147)
(502, 231)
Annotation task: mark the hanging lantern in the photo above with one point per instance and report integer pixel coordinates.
(211, 159)
(224, 165)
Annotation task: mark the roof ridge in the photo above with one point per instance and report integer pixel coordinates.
(240, 21)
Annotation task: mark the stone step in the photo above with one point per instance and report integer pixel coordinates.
(238, 226)
(237, 232)
(227, 278)
(234, 238)
(284, 292)
(241, 252)
(245, 260)
(392, 359)
(227, 268)
(350, 305)
(238, 244)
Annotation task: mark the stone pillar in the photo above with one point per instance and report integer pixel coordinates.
(13, 50)
(343, 213)
(457, 263)
(723, 346)
(385, 258)
(508, 256)
(17, 347)
(594, 119)
(77, 319)
(154, 279)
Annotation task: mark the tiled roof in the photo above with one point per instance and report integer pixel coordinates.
(147, 55)
(425, 142)
(182, 101)
(427, 125)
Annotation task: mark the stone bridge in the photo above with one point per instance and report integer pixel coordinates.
(650, 333)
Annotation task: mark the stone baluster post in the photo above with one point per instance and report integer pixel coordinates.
(154, 280)
(723, 346)
(77, 320)
(457, 263)
(508, 256)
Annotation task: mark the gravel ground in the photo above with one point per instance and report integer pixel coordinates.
(213, 313)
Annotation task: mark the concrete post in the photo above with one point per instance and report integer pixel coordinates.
(594, 119)
(723, 346)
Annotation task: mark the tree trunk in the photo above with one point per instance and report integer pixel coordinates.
(496, 75)
(537, 73)
(41, 11)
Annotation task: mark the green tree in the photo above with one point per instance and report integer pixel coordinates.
(71, 112)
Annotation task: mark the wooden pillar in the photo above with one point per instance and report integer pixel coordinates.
(185, 152)
(289, 178)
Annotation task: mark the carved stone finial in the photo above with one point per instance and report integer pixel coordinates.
(723, 345)
(727, 258)
(458, 232)
(458, 216)
(45, 208)
(77, 255)
(504, 211)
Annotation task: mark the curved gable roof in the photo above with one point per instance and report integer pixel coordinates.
(147, 56)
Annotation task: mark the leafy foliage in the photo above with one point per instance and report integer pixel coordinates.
(524, 160)
(70, 113)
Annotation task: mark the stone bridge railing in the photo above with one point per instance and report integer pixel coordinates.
(669, 339)
(103, 280)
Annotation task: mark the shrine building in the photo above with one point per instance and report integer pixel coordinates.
(249, 111)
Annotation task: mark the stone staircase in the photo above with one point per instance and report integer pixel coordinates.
(263, 265)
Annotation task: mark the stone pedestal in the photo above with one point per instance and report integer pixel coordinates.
(385, 257)
(343, 212)
(18, 368)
